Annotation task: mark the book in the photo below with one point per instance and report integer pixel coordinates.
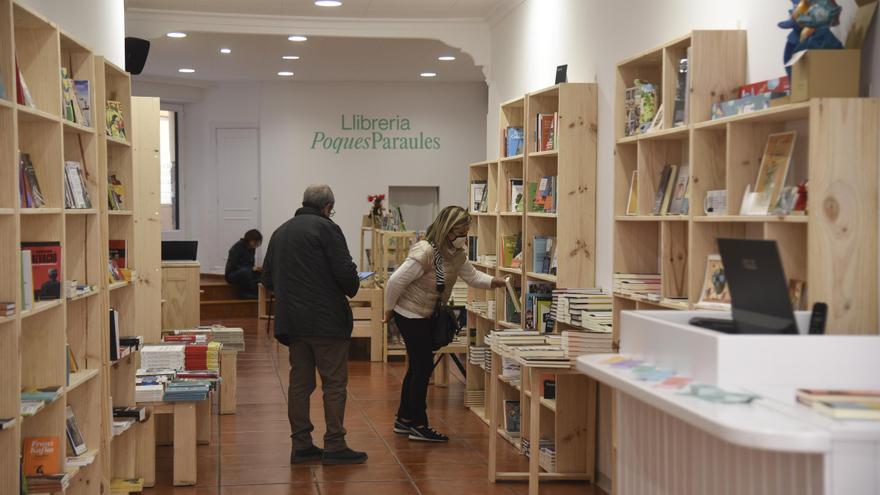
(75, 441)
(512, 417)
(514, 140)
(83, 98)
(45, 269)
(29, 184)
(512, 247)
(121, 486)
(678, 204)
(807, 396)
(41, 455)
(27, 280)
(117, 252)
(115, 349)
(115, 193)
(138, 413)
(679, 116)
(23, 94)
(660, 193)
(797, 290)
(773, 172)
(632, 201)
(516, 195)
(715, 293)
(478, 188)
(667, 187)
(115, 120)
(7, 423)
(545, 129)
(75, 191)
(856, 410)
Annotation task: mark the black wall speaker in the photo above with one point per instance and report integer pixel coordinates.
(136, 51)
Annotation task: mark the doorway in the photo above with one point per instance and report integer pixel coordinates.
(238, 188)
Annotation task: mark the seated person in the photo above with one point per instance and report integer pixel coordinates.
(240, 269)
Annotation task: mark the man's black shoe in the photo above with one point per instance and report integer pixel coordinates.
(345, 456)
(311, 454)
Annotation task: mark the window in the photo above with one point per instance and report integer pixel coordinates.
(169, 189)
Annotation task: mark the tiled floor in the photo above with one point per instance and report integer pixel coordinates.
(250, 450)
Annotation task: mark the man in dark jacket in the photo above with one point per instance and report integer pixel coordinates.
(241, 270)
(311, 272)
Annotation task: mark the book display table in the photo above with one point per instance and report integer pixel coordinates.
(187, 429)
(678, 443)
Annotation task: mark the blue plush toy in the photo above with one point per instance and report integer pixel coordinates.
(810, 23)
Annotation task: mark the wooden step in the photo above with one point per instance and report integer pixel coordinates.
(218, 292)
(229, 308)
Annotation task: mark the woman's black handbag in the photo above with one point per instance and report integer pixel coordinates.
(444, 325)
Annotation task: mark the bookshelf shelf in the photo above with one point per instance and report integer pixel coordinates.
(752, 219)
(7, 319)
(120, 213)
(511, 214)
(112, 141)
(119, 285)
(4, 103)
(510, 271)
(7, 211)
(40, 307)
(80, 378)
(81, 297)
(551, 216)
(80, 211)
(74, 127)
(41, 211)
(507, 324)
(514, 158)
(782, 113)
(34, 115)
(550, 404)
(546, 277)
(550, 153)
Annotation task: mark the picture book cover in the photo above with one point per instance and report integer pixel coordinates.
(41, 456)
(45, 269)
(773, 172)
(677, 205)
(715, 293)
(512, 417)
(75, 441)
(661, 189)
(117, 252)
(115, 120)
(83, 98)
(516, 195)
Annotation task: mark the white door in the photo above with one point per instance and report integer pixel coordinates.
(238, 188)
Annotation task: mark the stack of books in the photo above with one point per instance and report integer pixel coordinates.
(125, 486)
(148, 392)
(526, 445)
(7, 309)
(479, 196)
(475, 398)
(477, 354)
(35, 399)
(511, 370)
(121, 425)
(135, 413)
(843, 404)
(597, 321)
(579, 343)
(499, 339)
(543, 356)
(83, 460)
(544, 254)
(76, 194)
(163, 356)
(543, 196)
(186, 390)
(51, 483)
(569, 305)
(459, 293)
(547, 459)
(202, 356)
(231, 338)
(646, 285)
(539, 302)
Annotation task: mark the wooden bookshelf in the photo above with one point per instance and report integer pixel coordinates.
(725, 154)
(34, 343)
(573, 225)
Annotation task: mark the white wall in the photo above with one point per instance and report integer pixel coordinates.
(591, 36)
(98, 24)
(288, 114)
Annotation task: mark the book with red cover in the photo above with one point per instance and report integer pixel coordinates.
(117, 252)
(46, 268)
(779, 85)
(546, 131)
(42, 456)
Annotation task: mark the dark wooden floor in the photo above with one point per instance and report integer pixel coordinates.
(250, 451)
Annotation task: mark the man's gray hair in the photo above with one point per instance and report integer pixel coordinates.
(318, 196)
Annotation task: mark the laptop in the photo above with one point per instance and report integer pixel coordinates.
(760, 301)
(179, 250)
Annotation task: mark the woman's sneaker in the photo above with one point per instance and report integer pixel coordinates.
(426, 434)
(402, 428)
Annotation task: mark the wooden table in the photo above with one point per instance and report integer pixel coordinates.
(186, 435)
(228, 381)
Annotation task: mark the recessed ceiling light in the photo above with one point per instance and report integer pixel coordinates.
(225, 51)
(186, 70)
(285, 73)
(176, 34)
(328, 3)
(296, 37)
(446, 58)
(428, 74)
(290, 57)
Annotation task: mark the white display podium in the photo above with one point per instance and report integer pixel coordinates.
(669, 442)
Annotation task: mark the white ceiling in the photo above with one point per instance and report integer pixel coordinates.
(257, 57)
(438, 9)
